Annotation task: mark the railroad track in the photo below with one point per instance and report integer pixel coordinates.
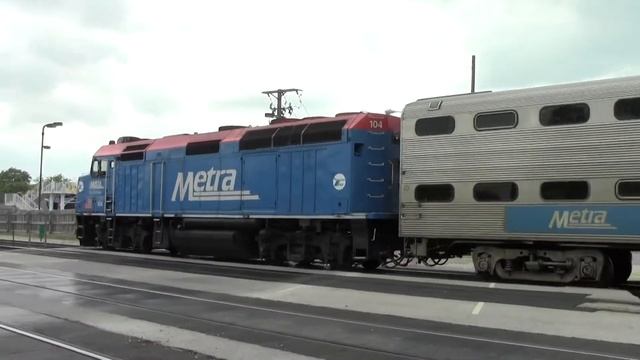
(223, 267)
(57, 344)
(39, 280)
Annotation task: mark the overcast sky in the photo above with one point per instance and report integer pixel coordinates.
(153, 68)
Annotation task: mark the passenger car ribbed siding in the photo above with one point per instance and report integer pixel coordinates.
(601, 151)
(556, 94)
(439, 219)
(546, 153)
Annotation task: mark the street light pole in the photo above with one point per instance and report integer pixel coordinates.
(49, 125)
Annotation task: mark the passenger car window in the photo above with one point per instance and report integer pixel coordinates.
(495, 120)
(564, 190)
(439, 125)
(627, 109)
(628, 189)
(496, 191)
(564, 114)
(434, 193)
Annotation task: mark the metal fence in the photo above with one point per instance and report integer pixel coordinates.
(20, 221)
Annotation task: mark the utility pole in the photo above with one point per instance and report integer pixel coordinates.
(42, 148)
(473, 73)
(279, 110)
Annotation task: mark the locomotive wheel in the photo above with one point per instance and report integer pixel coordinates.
(145, 246)
(371, 264)
(608, 272)
(622, 266)
(173, 251)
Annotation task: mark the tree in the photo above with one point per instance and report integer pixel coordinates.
(57, 178)
(14, 180)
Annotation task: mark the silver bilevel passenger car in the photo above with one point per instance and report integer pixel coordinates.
(538, 184)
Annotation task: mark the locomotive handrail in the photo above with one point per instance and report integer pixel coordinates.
(375, 164)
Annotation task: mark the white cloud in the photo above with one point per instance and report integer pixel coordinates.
(149, 68)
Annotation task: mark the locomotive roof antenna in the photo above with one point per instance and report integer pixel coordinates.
(473, 74)
(300, 103)
(281, 106)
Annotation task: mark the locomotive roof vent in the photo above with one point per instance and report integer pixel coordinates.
(230, 127)
(348, 113)
(126, 139)
(314, 117)
(283, 121)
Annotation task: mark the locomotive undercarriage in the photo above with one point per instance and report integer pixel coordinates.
(603, 266)
(529, 262)
(324, 243)
(343, 243)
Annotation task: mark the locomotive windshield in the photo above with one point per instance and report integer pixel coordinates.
(99, 167)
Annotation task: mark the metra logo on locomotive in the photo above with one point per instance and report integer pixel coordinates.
(576, 219)
(212, 185)
(96, 185)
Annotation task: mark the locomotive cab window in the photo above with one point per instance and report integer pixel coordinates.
(99, 167)
(628, 189)
(323, 132)
(434, 193)
(567, 114)
(95, 167)
(564, 190)
(627, 109)
(499, 191)
(495, 120)
(203, 147)
(440, 125)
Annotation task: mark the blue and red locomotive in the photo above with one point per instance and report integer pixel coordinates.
(321, 189)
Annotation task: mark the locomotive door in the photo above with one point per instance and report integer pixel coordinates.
(109, 186)
(157, 184)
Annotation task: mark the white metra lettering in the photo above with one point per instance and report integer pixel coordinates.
(585, 219)
(574, 218)
(211, 185)
(600, 217)
(182, 186)
(229, 182)
(200, 181)
(559, 221)
(211, 174)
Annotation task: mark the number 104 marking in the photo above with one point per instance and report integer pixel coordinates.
(375, 124)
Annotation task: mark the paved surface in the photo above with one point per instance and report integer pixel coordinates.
(118, 305)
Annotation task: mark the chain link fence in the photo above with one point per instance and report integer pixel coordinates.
(29, 222)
